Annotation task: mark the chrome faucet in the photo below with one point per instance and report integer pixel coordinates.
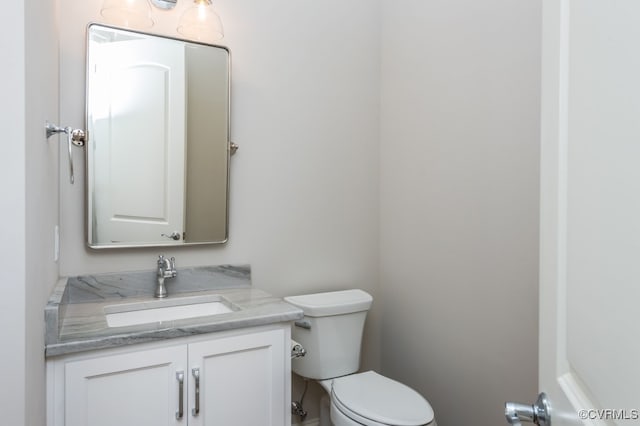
(166, 269)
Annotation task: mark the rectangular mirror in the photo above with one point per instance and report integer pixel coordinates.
(158, 140)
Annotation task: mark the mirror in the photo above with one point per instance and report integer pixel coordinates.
(158, 140)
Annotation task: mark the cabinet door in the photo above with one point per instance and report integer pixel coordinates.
(243, 381)
(132, 389)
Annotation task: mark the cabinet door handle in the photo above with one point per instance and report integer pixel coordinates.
(180, 378)
(196, 374)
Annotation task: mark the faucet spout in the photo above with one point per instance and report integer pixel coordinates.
(166, 269)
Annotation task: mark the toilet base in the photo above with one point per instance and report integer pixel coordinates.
(325, 411)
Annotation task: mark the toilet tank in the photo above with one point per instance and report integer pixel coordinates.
(331, 332)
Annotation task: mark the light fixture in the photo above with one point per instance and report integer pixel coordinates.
(128, 13)
(198, 22)
(164, 4)
(201, 23)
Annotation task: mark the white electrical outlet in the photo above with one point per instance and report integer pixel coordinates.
(56, 243)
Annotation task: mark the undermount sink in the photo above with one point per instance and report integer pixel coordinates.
(127, 314)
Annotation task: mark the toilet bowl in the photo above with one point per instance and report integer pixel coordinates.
(374, 400)
(331, 333)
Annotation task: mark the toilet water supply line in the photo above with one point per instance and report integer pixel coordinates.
(296, 406)
(298, 351)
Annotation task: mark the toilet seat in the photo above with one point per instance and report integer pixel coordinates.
(374, 400)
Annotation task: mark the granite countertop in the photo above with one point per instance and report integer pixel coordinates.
(76, 321)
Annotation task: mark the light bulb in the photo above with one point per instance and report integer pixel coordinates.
(128, 13)
(201, 23)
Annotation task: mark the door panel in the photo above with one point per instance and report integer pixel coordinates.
(136, 389)
(242, 380)
(142, 82)
(590, 210)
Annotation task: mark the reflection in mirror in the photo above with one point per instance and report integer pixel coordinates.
(158, 140)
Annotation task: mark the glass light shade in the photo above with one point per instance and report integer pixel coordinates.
(128, 13)
(201, 23)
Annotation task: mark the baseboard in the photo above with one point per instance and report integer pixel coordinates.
(310, 422)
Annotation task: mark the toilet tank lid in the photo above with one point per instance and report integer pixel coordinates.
(332, 303)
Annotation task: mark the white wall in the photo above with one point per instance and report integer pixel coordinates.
(29, 204)
(459, 202)
(12, 206)
(304, 183)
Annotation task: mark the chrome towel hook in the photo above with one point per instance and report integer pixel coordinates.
(75, 137)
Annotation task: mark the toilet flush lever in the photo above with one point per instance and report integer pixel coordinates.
(303, 324)
(537, 413)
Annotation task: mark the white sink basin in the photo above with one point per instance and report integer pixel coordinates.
(126, 314)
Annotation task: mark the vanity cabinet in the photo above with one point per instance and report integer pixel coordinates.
(238, 378)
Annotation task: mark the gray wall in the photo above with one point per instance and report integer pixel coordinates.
(459, 202)
(207, 143)
(304, 183)
(42, 189)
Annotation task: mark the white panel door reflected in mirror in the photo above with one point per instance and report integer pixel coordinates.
(158, 148)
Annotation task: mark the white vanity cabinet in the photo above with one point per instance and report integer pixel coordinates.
(231, 378)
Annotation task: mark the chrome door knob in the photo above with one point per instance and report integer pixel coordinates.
(537, 413)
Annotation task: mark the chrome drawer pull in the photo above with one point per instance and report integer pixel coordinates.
(180, 378)
(196, 373)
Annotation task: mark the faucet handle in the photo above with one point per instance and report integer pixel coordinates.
(172, 263)
(160, 260)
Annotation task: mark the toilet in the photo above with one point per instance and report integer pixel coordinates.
(331, 333)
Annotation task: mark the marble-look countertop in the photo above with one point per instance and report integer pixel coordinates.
(76, 321)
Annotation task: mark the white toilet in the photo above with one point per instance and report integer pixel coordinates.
(331, 333)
